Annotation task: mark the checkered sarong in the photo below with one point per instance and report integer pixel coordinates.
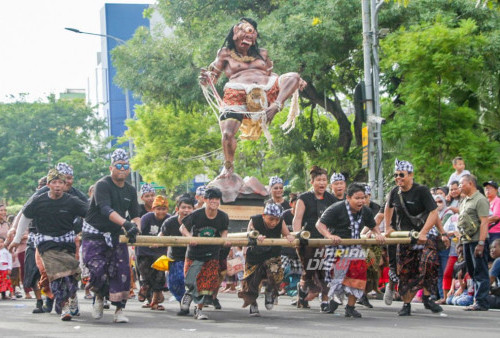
(293, 263)
(87, 228)
(66, 238)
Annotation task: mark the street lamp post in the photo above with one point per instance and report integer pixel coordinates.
(133, 177)
(370, 10)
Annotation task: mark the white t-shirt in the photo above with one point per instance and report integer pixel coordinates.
(5, 260)
(456, 177)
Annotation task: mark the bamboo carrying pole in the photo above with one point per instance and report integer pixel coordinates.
(182, 241)
(250, 234)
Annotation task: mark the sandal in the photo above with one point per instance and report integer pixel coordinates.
(157, 307)
(143, 293)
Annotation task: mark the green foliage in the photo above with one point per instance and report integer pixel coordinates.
(440, 102)
(171, 142)
(36, 136)
(441, 70)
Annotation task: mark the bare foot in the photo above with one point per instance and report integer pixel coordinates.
(227, 171)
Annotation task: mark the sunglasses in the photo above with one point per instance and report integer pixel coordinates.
(120, 166)
(402, 175)
(439, 202)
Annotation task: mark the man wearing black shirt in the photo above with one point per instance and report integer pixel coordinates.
(201, 268)
(264, 262)
(54, 213)
(310, 206)
(346, 219)
(31, 270)
(107, 260)
(176, 286)
(417, 264)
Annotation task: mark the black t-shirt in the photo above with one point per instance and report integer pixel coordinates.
(338, 223)
(142, 210)
(288, 218)
(314, 208)
(374, 207)
(171, 228)
(108, 195)
(201, 226)
(259, 254)
(417, 200)
(74, 192)
(150, 226)
(55, 217)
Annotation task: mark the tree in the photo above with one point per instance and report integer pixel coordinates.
(36, 136)
(438, 66)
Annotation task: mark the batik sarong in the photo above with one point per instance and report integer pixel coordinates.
(270, 270)
(109, 270)
(175, 280)
(418, 268)
(151, 278)
(201, 279)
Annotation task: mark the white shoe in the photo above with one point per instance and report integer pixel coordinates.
(97, 308)
(388, 295)
(66, 313)
(73, 306)
(254, 310)
(119, 317)
(199, 315)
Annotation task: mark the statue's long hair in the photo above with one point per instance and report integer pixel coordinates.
(229, 42)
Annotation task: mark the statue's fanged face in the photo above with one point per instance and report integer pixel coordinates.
(244, 36)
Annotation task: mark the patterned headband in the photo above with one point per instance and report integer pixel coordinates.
(200, 191)
(368, 190)
(64, 168)
(147, 188)
(403, 166)
(275, 180)
(54, 174)
(160, 201)
(273, 209)
(337, 177)
(119, 155)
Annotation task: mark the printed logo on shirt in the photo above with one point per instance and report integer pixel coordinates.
(207, 232)
(63, 211)
(154, 230)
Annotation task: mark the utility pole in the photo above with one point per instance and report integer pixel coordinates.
(369, 9)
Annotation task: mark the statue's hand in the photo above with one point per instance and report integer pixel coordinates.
(272, 110)
(205, 76)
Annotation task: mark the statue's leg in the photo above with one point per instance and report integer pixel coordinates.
(289, 83)
(228, 129)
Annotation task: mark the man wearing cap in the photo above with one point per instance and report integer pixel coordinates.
(264, 262)
(417, 263)
(474, 210)
(491, 192)
(201, 267)
(113, 203)
(148, 194)
(338, 186)
(53, 214)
